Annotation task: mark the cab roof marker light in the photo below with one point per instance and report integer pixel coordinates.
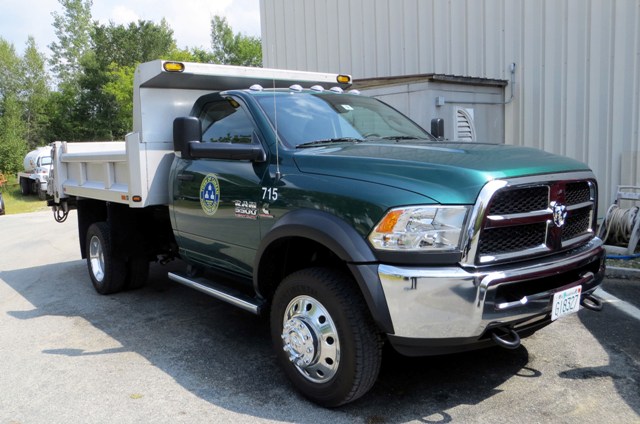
(336, 89)
(344, 79)
(318, 88)
(354, 91)
(173, 66)
(256, 87)
(296, 87)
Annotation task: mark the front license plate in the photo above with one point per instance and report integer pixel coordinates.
(566, 302)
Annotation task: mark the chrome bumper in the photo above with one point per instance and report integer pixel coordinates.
(453, 302)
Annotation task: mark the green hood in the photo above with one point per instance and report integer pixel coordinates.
(451, 173)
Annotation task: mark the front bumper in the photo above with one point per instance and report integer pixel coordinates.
(453, 308)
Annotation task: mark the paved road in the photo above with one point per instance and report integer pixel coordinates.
(167, 354)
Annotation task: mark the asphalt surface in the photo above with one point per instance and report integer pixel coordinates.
(167, 354)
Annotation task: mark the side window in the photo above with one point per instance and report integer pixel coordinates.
(225, 122)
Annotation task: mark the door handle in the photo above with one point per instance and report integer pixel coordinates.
(185, 177)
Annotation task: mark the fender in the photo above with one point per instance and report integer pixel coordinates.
(342, 239)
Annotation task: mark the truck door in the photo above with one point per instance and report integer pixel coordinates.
(215, 202)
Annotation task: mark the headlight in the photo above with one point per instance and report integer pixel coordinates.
(420, 229)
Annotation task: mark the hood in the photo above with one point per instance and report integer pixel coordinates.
(451, 173)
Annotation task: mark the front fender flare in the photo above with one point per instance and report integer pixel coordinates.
(343, 240)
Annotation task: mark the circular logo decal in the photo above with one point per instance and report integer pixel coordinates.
(210, 194)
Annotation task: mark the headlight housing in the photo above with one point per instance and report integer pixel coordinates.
(420, 229)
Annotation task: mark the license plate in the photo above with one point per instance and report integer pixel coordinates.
(566, 302)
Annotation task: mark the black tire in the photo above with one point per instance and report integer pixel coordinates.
(324, 336)
(25, 186)
(2, 212)
(137, 272)
(107, 272)
(42, 194)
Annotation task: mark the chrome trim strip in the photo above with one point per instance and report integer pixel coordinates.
(234, 299)
(582, 205)
(587, 277)
(541, 249)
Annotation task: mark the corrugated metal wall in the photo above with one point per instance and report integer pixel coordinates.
(577, 88)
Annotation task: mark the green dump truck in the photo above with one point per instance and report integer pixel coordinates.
(333, 215)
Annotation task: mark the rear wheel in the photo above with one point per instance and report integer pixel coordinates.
(107, 272)
(324, 336)
(25, 186)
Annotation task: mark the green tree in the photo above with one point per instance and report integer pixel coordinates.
(131, 44)
(35, 95)
(105, 102)
(234, 49)
(73, 28)
(9, 69)
(12, 129)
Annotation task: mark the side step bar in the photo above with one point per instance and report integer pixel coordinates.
(220, 292)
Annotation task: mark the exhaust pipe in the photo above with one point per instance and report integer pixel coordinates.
(509, 339)
(591, 302)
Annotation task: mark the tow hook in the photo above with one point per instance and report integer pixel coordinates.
(509, 339)
(591, 302)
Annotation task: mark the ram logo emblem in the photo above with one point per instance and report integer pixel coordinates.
(559, 214)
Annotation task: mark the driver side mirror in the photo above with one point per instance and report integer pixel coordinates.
(186, 129)
(437, 128)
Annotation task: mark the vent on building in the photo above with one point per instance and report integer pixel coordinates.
(465, 130)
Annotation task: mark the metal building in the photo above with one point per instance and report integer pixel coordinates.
(577, 80)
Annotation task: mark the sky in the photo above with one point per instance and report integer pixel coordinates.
(190, 20)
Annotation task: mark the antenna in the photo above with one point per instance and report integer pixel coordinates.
(275, 118)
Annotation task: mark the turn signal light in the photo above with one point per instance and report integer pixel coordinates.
(344, 79)
(173, 66)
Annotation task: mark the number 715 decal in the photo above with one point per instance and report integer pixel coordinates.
(270, 194)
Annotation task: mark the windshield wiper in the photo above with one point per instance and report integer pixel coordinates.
(401, 137)
(329, 141)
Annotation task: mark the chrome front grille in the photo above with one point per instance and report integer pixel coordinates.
(523, 217)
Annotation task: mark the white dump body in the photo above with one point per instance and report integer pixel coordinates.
(135, 172)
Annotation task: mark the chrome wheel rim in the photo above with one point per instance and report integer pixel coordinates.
(96, 258)
(310, 339)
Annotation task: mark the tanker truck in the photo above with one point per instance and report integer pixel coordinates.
(37, 166)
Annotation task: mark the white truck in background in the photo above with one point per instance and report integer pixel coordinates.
(37, 168)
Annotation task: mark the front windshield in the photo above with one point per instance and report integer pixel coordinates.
(308, 117)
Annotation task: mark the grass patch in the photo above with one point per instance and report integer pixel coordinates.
(15, 202)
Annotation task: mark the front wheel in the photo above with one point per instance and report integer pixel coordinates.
(42, 194)
(324, 336)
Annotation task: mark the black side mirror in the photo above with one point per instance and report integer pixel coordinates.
(437, 128)
(186, 129)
